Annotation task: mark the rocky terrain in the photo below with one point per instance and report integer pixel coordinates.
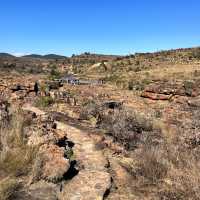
(133, 136)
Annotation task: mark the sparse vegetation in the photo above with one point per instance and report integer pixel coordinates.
(196, 53)
(54, 74)
(153, 142)
(16, 157)
(44, 101)
(126, 126)
(188, 85)
(89, 109)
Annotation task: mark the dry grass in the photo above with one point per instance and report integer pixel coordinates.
(43, 102)
(167, 169)
(8, 188)
(16, 156)
(126, 126)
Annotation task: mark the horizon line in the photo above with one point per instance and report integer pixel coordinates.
(19, 54)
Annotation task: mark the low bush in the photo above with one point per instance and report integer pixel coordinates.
(167, 169)
(196, 53)
(126, 126)
(44, 101)
(188, 85)
(152, 163)
(89, 109)
(130, 85)
(54, 74)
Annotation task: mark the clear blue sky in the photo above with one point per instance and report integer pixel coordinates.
(101, 26)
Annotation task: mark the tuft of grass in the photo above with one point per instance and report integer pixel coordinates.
(89, 110)
(152, 164)
(16, 156)
(45, 101)
(54, 74)
(188, 85)
(18, 162)
(166, 169)
(8, 188)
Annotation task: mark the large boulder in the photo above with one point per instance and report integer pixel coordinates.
(50, 164)
(42, 130)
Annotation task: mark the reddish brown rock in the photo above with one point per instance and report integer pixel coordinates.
(39, 191)
(181, 88)
(53, 163)
(194, 102)
(154, 96)
(180, 99)
(166, 88)
(88, 185)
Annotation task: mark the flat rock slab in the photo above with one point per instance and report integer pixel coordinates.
(39, 191)
(35, 110)
(88, 185)
(93, 180)
(54, 164)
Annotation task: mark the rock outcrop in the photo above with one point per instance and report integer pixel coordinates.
(194, 102)
(39, 191)
(53, 164)
(166, 90)
(87, 175)
(155, 96)
(93, 180)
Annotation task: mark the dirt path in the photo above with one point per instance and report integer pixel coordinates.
(93, 180)
(101, 175)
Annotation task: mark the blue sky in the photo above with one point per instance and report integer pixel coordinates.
(101, 26)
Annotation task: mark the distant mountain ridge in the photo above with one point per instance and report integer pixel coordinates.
(95, 57)
(6, 55)
(48, 56)
(34, 56)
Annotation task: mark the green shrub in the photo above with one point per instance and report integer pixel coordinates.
(188, 85)
(196, 53)
(44, 101)
(130, 85)
(89, 109)
(54, 74)
(140, 85)
(137, 62)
